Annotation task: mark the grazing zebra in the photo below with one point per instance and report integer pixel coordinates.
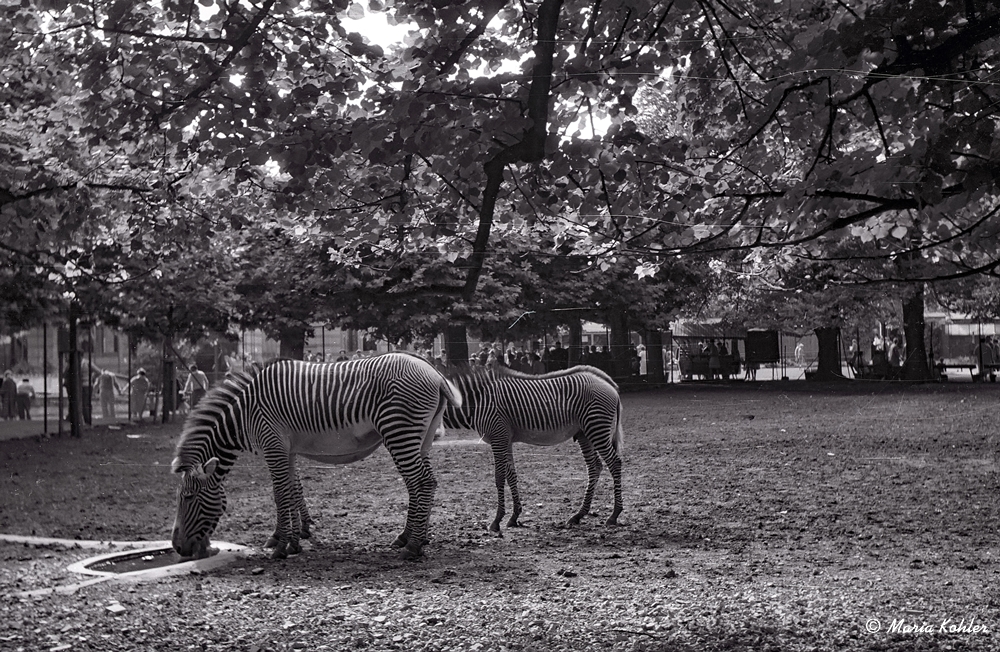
(332, 413)
(506, 406)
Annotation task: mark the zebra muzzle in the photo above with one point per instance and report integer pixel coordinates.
(191, 549)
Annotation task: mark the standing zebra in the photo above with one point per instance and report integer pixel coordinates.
(332, 413)
(506, 406)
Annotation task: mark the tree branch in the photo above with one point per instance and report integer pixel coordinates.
(490, 10)
(219, 68)
(530, 148)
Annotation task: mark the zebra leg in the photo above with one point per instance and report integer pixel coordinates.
(286, 535)
(502, 453)
(306, 530)
(614, 463)
(300, 515)
(593, 474)
(420, 485)
(515, 495)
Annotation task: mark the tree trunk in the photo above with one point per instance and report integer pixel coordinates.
(654, 356)
(575, 341)
(292, 343)
(915, 365)
(621, 342)
(168, 383)
(829, 364)
(456, 345)
(74, 387)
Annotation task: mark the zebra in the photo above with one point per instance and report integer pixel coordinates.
(506, 406)
(335, 413)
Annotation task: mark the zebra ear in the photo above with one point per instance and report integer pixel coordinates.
(209, 467)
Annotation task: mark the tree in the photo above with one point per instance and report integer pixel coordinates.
(802, 127)
(810, 296)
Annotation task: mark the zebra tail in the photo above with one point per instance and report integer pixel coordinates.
(450, 392)
(619, 439)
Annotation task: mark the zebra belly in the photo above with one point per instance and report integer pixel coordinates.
(337, 447)
(545, 437)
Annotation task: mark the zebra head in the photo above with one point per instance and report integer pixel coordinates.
(200, 504)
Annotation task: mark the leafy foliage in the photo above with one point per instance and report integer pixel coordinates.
(641, 131)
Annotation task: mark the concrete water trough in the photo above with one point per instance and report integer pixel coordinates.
(131, 561)
(156, 560)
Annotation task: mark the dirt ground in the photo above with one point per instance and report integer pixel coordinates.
(776, 516)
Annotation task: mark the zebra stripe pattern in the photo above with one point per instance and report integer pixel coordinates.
(506, 406)
(332, 413)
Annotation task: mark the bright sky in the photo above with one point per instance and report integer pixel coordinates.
(375, 28)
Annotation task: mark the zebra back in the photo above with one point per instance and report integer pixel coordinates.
(303, 396)
(536, 398)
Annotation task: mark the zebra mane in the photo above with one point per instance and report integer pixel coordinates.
(193, 446)
(500, 371)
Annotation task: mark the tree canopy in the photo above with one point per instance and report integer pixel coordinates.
(624, 133)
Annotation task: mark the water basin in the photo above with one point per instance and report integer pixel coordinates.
(158, 560)
(137, 561)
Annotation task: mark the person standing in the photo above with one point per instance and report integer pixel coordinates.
(138, 390)
(896, 356)
(107, 387)
(737, 360)
(854, 361)
(25, 395)
(714, 361)
(8, 396)
(560, 357)
(196, 386)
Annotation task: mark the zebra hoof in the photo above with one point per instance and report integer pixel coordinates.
(495, 527)
(279, 552)
(306, 533)
(272, 542)
(412, 552)
(401, 540)
(513, 522)
(293, 548)
(574, 520)
(613, 519)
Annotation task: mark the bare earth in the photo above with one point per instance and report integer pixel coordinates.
(779, 516)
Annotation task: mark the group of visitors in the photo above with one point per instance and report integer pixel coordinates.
(712, 359)
(555, 357)
(540, 360)
(15, 398)
(986, 353)
(717, 359)
(108, 388)
(888, 353)
(339, 357)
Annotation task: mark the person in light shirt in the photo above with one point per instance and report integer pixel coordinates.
(196, 386)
